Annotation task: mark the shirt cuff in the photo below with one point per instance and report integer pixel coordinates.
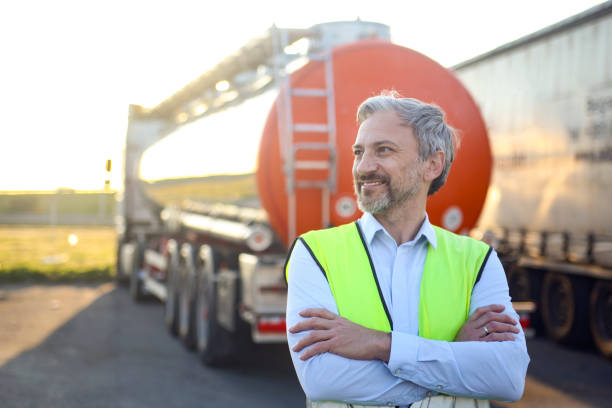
(403, 356)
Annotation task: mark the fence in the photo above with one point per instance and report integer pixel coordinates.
(58, 208)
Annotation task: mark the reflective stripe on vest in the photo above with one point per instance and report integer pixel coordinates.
(448, 278)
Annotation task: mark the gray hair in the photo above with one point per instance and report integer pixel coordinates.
(427, 122)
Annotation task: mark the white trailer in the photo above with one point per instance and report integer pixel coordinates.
(547, 102)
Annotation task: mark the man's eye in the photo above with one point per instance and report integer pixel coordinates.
(357, 152)
(384, 149)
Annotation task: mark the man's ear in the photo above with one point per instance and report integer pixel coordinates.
(433, 166)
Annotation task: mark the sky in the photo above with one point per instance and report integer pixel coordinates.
(70, 69)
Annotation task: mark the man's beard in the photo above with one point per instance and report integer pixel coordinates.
(392, 198)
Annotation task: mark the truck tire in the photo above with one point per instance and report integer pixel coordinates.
(564, 308)
(216, 345)
(601, 317)
(120, 276)
(187, 295)
(519, 283)
(136, 285)
(172, 285)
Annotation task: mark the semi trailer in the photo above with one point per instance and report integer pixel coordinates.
(269, 131)
(547, 102)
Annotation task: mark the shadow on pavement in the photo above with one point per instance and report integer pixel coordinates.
(116, 353)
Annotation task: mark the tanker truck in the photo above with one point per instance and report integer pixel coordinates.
(268, 132)
(547, 102)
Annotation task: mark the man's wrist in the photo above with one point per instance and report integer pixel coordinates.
(384, 346)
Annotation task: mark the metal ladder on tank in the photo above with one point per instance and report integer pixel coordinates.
(287, 129)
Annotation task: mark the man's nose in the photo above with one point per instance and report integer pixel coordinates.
(367, 164)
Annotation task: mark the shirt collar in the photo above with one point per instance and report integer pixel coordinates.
(370, 226)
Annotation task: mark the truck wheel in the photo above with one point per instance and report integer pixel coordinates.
(518, 283)
(601, 317)
(136, 284)
(120, 276)
(564, 306)
(187, 294)
(215, 344)
(172, 285)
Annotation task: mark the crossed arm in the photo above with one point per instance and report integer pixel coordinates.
(336, 359)
(331, 333)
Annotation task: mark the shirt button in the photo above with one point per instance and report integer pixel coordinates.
(439, 387)
(398, 371)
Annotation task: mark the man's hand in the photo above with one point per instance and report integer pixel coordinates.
(334, 334)
(488, 323)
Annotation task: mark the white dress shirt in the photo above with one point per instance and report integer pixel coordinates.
(417, 366)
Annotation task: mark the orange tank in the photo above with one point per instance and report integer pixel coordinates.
(362, 70)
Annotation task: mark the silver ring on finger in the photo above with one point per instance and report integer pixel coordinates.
(485, 330)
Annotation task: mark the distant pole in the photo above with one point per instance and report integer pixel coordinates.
(107, 175)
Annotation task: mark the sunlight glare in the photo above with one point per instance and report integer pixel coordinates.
(73, 239)
(222, 86)
(200, 109)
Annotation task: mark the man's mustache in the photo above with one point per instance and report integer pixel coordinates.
(364, 178)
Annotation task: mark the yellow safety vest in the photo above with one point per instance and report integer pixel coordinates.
(449, 275)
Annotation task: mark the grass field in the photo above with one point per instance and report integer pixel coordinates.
(59, 253)
(41, 202)
(45, 253)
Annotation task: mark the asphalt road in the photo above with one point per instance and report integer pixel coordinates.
(91, 346)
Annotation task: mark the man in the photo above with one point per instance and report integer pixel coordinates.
(391, 310)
